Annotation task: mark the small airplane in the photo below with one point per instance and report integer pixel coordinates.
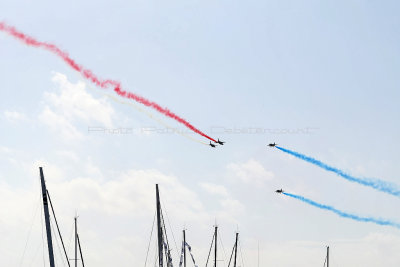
(211, 145)
(279, 191)
(220, 142)
(272, 145)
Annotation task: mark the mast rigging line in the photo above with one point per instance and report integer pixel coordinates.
(166, 243)
(155, 255)
(35, 254)
(58, 229)
(233, 249)
(151, 235)
(70, 237)
(222, 244)
(58, 246)
(241, 254)
(209, 252)
(80, 249)
(169, 223)
(30, 230)
(41, 217)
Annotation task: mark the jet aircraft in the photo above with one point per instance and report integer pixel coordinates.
(220, 142)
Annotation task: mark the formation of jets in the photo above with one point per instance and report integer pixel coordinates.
(218, 142)
(279, 191)
(222, 143)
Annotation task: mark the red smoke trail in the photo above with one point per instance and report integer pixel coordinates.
(88, 74)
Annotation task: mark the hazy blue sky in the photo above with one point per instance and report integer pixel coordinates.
(318, 77)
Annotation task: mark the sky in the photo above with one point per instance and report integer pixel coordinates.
(317, 77)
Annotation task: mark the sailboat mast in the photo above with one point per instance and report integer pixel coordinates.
(236, 244)
(76, 243)
(159, 229)
(47, 218)
(327, 256)
(215, 246)
(184, 248)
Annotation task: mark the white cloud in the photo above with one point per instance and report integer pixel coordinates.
(6, 150)
(9, 154)
(230, 208)
(73, 104)
(66, 154)
(59, 124)
(214, 189)
(250, 172)
(14, 116)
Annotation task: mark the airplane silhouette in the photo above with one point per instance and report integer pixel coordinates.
(220, 142)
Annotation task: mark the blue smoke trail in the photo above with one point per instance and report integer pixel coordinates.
(344, 214)
(380, 185)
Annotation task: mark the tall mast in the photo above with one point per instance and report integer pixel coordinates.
(215, 245)
(159, 228)
(327, 256)
(47, 218)
(76, 244)
(184, 248)
(236, 244)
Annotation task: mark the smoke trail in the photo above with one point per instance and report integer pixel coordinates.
(344, 214)
(89, 75)
(151, 116)
(379, 185)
